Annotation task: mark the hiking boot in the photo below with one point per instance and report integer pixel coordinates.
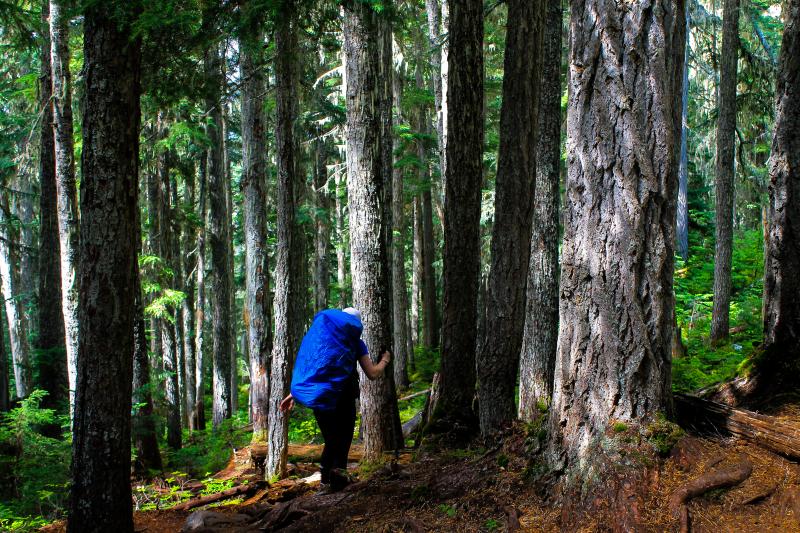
(324, 489)
(340, 479)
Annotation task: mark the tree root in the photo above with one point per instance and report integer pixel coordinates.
(211, 498)
(716, 479)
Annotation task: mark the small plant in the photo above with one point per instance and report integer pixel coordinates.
(662, 434)
(502, 460)
(449, 510)
(619, 427)
(491, 524)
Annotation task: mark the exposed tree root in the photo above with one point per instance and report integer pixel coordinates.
(716, 479)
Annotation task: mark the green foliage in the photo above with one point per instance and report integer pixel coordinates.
(491, 524)
(303, 426)
(662, 434)
(35, 467)
(619, 427)
(449, 510)
(206, 452)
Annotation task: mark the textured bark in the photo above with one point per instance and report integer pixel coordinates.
(683, 168)
(343, 236)
(782, 264)
(498, 356)
(723, 181)
(169, 343)
(540, 334)
(5, 400)
(437, 45)
(50, 340)
(100, 497)
(15, 313)
(416, 271)
(234, 338)
(218, 241)
(430, 317)
(176, 240)
(28, 267)
(198, 413)
(616, 307)
(288, 299)
(66, 187)
(462, 209)
(322, 232)
(187, 313)
(399, 289)
(365, 191)
(258, 321)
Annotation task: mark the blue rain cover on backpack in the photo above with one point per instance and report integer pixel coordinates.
(326, 360)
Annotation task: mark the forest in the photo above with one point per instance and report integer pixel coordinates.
(569, 231)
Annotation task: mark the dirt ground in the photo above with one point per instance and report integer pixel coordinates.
(483, 489)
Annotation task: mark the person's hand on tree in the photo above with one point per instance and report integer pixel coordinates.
(287, 404)
(388, 356)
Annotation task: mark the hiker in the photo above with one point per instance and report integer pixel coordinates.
(325, 380)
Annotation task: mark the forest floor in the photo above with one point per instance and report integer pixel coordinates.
(487, 488)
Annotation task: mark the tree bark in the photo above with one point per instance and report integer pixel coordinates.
(782, 262)
(187, 313)
(67, 199)
(218, 240)
(616, 309)
(437, 47)
(462, 210)
(288, 272)
(254, 190)
(176, 241)
(540, 333)
(498, 356)
(100, 497)
(50, 344)
(416, 270)
(199, 411)
(169, 344)
(399, 289)
(725, 170)
(322, 233)
(683, 169)
(5, 400)
(15, 313)
(365, 191)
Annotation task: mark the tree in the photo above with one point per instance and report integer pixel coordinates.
(464, 176)
(288, 271)
(723, 182)
(254, 183)
(100, 497)
(782, 262)
(199, 413)
(50, 343)
(218, 238)
(365, 192)
(498, 357)
(616, 310)
(322, 233)
(683, 169)
(439, 48)
(67, 196)
(540, 333)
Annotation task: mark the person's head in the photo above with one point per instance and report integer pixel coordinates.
(353, 311)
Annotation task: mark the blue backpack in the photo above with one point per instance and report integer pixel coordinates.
(326, 360)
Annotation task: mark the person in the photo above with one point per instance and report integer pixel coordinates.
(325, 379)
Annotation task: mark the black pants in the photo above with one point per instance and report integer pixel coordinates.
(337, 429)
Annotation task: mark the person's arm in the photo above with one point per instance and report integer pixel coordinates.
(287, 404)
(374, 370)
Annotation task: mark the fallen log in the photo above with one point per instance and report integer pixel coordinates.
(415, 395)
(769, 432)
(211, 498)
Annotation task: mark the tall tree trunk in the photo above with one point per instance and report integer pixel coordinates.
(613, 360)
(176, 241)
(462, 210)
(540, 334)
(416, 271)
(187, 312)
(683, 168)
(169, 344)
(100, 497)
(68, 219)
(725, 170)
(50, 345)
(218, 240)
(343, 236)
(27, 269)
(199, 411)
(498, 356)
(437, 45)
(399, 288)
(143, 423)
(15, 313)
(365, 191)
(234, 364)
(323, 229)
(254, 190)
(5, 400)
(782, 262)
(288, 272)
